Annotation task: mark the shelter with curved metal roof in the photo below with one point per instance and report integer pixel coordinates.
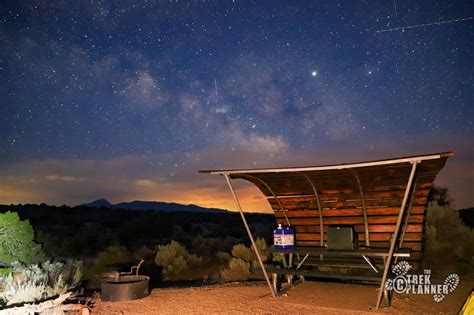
(384, 201)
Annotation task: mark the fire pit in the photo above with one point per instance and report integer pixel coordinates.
(125, 286)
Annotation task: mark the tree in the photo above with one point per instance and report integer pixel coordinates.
(17, 240)
(440, 195)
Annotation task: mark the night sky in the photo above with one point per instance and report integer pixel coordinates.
(127, 100)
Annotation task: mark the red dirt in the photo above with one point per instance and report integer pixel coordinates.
(307, 298)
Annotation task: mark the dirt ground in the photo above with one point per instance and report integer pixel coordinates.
(309, 297)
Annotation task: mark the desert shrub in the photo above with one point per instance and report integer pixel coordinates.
(261, 246)
(29, 283)
(242, 252)
(447, 238)
(237, 270)
(243, 260)
(175, 258)
(63, 275)
(248, 254)
(17, 240)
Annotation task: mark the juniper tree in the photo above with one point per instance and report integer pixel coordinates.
(17, 240)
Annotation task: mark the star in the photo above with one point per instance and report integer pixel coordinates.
(314, 73)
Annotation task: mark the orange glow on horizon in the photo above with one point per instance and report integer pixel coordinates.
(250, 198)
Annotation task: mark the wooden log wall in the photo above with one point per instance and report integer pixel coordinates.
(341, 203)
(303, 215)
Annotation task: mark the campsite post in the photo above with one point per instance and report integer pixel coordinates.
(237, 203)
(397, 229)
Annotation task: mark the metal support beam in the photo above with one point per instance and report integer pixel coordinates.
(410, 205)
(321, 224)
(367, 260)
(364, 209)
(260, 261)
(302, 261)
(397, 229)
(274, 196)
(405, 225)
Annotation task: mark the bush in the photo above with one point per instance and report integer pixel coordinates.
(17, 241)
(30, 283)
(447, 238)
(242, 252)
(238, 270)
(174, 258)
(243, 259)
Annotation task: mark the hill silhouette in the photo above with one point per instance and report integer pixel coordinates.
(152, 205)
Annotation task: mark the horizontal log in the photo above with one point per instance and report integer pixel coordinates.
(338, 207)
(385, 170)
(351, 220)
(343, 197)
(421, 201)
(383, 237)
(415, 247)
(335, 259)
(328, 175)
(325, 191)
(345, 212)
(412, 228)
(345, 177)
(294, 188)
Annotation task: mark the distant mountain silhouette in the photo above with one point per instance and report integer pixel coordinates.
(99, 203)
(151, 205)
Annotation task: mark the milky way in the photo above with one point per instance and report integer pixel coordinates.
(128, 99)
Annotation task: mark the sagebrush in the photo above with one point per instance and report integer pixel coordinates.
(237, 270)
(244, 260)
(30, 283)
(175, 258)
